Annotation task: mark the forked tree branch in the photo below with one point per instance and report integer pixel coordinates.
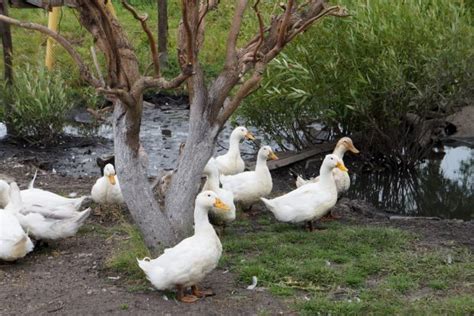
(284, 24)
(84, 71)
(149, 34)
(231, 50)
(245, 89)
(189, 33)
(147, 82)
(260, 28)
(266, 45)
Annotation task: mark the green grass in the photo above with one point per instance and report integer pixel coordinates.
(351, 269)
(130, 247)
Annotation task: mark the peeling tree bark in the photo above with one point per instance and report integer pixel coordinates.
(210, 106)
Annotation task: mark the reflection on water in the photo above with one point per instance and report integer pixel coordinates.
(438, 187)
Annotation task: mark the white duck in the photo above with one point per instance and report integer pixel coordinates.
(231, 163)
(34, 199)
(248, 187)
(343, 181)
(14, 242)
(311, 201)
(106, 189)
(193, 258)
(217, 216)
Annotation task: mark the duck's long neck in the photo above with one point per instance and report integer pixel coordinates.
(234, 145)
(325, 175)
(261, 165)
(201, 221)
(212, 182)
(339, 151)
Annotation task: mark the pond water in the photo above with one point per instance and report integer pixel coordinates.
(442, 187)
(164, 128)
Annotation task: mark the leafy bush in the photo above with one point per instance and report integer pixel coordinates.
(365, 73)
(36, 106)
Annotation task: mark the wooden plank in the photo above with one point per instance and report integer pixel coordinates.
(290, 157)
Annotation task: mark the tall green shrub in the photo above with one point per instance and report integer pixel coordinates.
(366, 72)
(37, 105)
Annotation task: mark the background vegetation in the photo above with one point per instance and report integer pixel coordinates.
(365, 73)
(356, 75)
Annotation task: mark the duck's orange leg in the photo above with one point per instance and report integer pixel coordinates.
(201, 293)
(185, 298)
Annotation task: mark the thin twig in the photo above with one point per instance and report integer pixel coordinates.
(284, 24)
(151, 40)
(260, 27)
(83, 68)
(97, 67)
(189, 34)
(231, 54)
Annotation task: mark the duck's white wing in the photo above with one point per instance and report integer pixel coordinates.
(49, 199)
(50, 227)
(191, 259)
(237, 182)
(300, 204)
(14, 242)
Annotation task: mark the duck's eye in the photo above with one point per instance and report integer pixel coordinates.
(208, 195)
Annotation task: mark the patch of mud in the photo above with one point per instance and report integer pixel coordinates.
(68, 276)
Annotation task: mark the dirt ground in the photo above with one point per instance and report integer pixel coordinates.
(69, 277)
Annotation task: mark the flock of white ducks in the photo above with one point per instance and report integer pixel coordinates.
(44, 215)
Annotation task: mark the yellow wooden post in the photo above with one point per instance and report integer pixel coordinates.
(53, 24)
(111, 8)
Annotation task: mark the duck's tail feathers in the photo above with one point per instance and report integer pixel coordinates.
(81, 218)
(268, 203)
(300, 181)
(32, 182)
(145, 264)
(15, 202)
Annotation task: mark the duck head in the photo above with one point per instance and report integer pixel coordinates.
(267, 153)
(242, 133)
(109, 173)
(345, 144)
(332, 161)
(209, 199)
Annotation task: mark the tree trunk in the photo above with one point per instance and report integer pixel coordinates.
(7, 44)
(199, 147)
(131, 167)
(163, 32)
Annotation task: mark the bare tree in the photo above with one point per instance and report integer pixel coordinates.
(211, 104)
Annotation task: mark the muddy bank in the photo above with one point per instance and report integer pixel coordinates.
(69, 277)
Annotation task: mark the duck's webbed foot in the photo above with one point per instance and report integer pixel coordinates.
(330, 217)
(201, 293)
(185, 298)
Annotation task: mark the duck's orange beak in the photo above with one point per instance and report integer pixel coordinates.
(340, 166)
(111, 179)
(272, 156)
(221, 205)
(249, 136)
(352, 148)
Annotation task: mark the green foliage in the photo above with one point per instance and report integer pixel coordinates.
(36, 106)
(350, 269)
(365, 72)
